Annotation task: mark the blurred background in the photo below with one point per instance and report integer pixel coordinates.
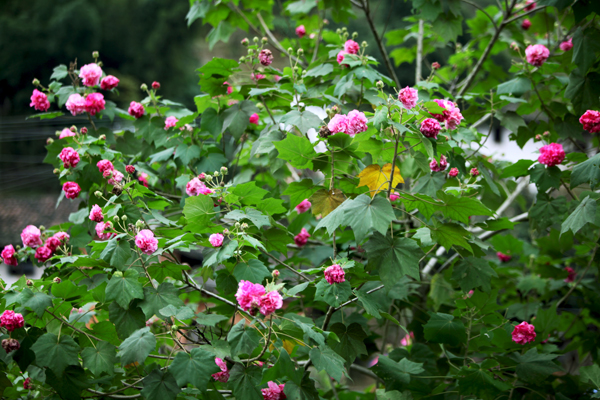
(140, 41)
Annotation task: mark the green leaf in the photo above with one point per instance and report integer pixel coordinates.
(197, 10)
(272, 206)
(198, 211)
(124, 289)
(195, 367)
(254, 271)
(59, 72)
(210, 319)
(155, 299)
(160, 386)
(516, 87)
(590, 374)
(520, 168)
(237, 117)
(243, 340)
(221, 67)
(69, 384)
(214, 256)
(461, 208)
(303, 120)
(137, 346)
(587, 172)
(534, 367)
(380, 117)
(334, 294)
(301, 6)
(37, 301)
(473, 272)
(480, 383)
(584, 213)
(321, 70)
(364, 214)
(441, 328)
(396, 374)
(299, 191)
(211, 122)
(256, 217)
(546, 211)
(187, 153)
(585, 46)
(449, 235)
(303, 390)
(100, 359)
(248, 193)
(116, 253)
(126, 320)
(221, 32)
(429, 184)
(245, 382)
(351, 342)
(440, 291)
(393, 257)
(545, 178)
(297, 150)
(371, 307)
(325, 359)
(383, 394)
(180, 313)
(55, 353)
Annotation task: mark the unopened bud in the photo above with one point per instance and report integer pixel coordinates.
(364, 44)
(100, 64)
(546, 133)
(354, 35)
(290, 50)
(98, 193)
(155, 85)
(264, 40)
(300, 52)
(84, 130)
(73, 128)
(244, 225)
(56, 171)
(29, 282)
(242, 59)
(42, 228)
(216, 173)
(338, 31)
(144, 87)
(255, 39)
(118, 274)
(174, 328)
(260, 106)
(226, 231)
(57, 280)
(36, 82)
(224, 170)
(436, 65)
(237, 225)
(139, 224)
(102, 137)
(49, 141)
(95, 54)
(275, 274)
(296, 69)
(250, 52)
(116, 218)
(208, 177)
(245, 42)
(379, 84)
(124, 217)
(538, 137)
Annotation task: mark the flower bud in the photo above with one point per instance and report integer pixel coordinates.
(338, 31)
(36, 82)
(95, 54)
(56, 171)
(264, 40)
(130, 169)
(84, 130)
(354, 35)
(250, 52)
(300, 52)
(10, 344)
(174, 328)
(18, 247)
(57, 133)
(244, 225)
(124, 217)
(42, 228)
(155, 85)
(296, 69)
(73, 128)
(49, 141)
(144, 87)
(364, 44)
(538, 137)
(216, 173)
(326, 21)
(245, 42)
(29, 282)
(116, 218)
(224, 170)
(208, 177)
(57, 280)
(379, 84)
(474, 171)
(237, 225)
(98, 193)
(118, 274)
(242, 59)
(139, 224)
(255, 39)
(290, 50)
(226, 231)
(260, 106)
(275, 274)
(546, 133)
(436, 65)
(102, 137)
(100, 64)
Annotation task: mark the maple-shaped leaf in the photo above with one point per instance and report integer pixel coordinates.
(325, 201)
(377, 179)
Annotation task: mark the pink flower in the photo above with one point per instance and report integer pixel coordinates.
(146, 241)
(90, 74)
(222, 376)
(537, 54)
(10, 344)
(115, 177)
(52, 243)
(407, 340)
(339, 123)
(136, 109)
(43, 253)
(334, 274)
(274, 392)
(277, 78)
(254, 119)
(571, 276)
(39, 101)
(270, 302)
(109, 82)
(351, 47)
(11, 320)
(430, 128)
(523, 333)
(31, 236)
(301, 238)
(67, 133)
(229, 89)
(394, 196)
(101, 227)
(567, 45)
(303, 206)
(69, 157)
(27, 385)
(469, 294)
(435, 167)
(526, 24)
(454, 119)
(301, 31)
(8, 255)
(503, 257)
(76, 104)
(143, 178)
(96, 213)
(435, 65)
(216, 239)
(105, 167)
(256, 77)
(63, 237)
(196, 187)
(551, 154)
(71, 190)
(265, 57)
(357, 123)
(130, 169)
(474, 171)
(530, 5)
(591, 121)
(453, 173)
(170, 122)
(409, 97)
(155, 85)
(340, 57)
(248, 295)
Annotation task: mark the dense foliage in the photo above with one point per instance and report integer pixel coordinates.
(348, 226)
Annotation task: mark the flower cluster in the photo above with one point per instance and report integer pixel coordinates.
(430, 128)
(69, 157)
(252, 297)
(351, 124)
(537, 54)
(11, 320)
(71, 190)
(304, 206)
(96, 213)
(222, 376)
(590, 121)
(32, 236)
(146, 241)
(274, 391)
(438, 167)
(301, 238)
(196, 187)
(101, 228)
(335, 274)
(551, 154)
(350, 47)
(523, 333)
(8, 255)
(108, 171)
(170, 122)
(265, 57)
(451, 115)
(408, 97)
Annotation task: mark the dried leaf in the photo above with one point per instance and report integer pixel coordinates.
(325, 201)
(377, 179)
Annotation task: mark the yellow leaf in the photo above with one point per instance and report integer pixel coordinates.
(325, 201)
(289, 345)
(377, 179)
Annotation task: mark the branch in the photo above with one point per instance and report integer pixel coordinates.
(267, 343)
(419, 51)
(482, 10)
(300, 274)
(524, 14)
(115, 396)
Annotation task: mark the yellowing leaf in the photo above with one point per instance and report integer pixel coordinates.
(289, 345)
(325, 201)
(377, 179)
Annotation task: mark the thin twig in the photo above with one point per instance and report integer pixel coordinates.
(275, 42)
(419, 51)
(483, 11)
(581, 276)
(300, 274)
